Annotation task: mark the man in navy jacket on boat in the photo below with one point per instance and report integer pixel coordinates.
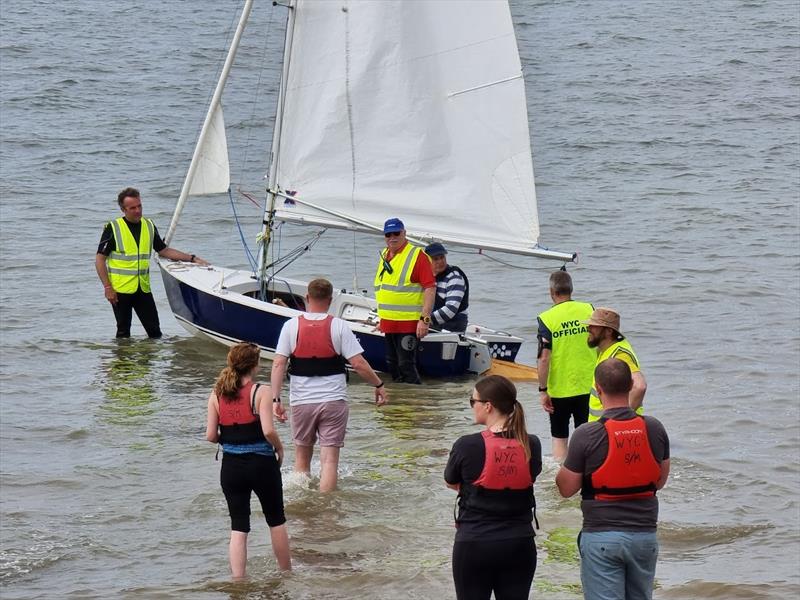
(123, 264)
(452, 291)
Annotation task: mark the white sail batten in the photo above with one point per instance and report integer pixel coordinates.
(423, 121)
(213, 174)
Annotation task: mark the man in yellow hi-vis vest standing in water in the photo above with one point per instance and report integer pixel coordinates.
(123, 264)
(405, 289)
(565, 363)
(604, 334)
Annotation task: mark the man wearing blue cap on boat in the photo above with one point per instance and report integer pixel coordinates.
(405, 288)
(452, 291)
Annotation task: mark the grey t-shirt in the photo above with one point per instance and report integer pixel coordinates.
(588, 450)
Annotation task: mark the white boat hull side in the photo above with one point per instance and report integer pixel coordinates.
(216, 303)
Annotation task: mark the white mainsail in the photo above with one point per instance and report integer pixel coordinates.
(410, 109)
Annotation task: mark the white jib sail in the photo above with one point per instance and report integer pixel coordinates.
(213, 174)
(409, 109)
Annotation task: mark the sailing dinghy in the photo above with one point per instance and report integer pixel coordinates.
(386, 108)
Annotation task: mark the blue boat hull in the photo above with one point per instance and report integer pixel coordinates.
(230, 322)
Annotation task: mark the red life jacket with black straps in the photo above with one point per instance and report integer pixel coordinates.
(630, 470)
(239, 422)
(314, 354)
(505, 485)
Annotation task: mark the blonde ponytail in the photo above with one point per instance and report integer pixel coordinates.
(227, 383)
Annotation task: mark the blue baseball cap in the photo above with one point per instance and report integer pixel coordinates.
(393, 225)
(435, 249)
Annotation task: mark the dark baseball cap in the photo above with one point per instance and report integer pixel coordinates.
(435, 249)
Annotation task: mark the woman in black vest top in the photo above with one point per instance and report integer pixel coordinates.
(240, 419)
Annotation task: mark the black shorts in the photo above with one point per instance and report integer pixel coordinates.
(576, 407)
(245, 473)
(503, 566)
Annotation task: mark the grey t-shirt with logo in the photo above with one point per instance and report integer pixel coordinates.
(588, 450)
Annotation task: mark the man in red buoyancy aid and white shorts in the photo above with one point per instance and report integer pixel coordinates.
(618, 463)
(315, 348)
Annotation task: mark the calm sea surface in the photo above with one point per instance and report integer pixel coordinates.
(666, 139)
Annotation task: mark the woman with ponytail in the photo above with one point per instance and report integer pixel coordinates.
(240, 419)
(493, 473)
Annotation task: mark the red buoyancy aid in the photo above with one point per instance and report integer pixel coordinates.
(505, 486)
(314, 354)
(505, 466)
(238, 423)
(630, 469)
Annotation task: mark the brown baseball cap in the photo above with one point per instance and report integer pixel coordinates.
(604, 317)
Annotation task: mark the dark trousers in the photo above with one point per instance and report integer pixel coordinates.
(243, 473)
(145, 307)
(401, 357)
(503, 566)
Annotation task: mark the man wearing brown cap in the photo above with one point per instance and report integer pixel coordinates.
(604, 334)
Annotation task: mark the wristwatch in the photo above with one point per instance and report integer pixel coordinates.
(425, 319)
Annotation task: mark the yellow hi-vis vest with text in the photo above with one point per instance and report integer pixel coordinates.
(129, 264)
(398, 298)
(623, 351)
(572, 361)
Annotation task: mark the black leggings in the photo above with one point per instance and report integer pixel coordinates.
(145, 307)
(503, 566)
(243, 473)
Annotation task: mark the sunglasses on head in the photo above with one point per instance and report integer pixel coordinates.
(392, 234)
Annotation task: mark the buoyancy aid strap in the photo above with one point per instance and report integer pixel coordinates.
(648, 489)
(253, 398)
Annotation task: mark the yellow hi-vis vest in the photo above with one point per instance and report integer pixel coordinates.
(398, 298)
(623, 351)
(571, 359)
(129, 264)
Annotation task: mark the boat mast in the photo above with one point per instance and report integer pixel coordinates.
(215, 100)
(272, 191)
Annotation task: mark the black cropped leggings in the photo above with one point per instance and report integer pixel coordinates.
(503, 566)
(243, 473)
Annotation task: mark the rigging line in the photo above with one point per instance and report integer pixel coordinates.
(349, 104)
(249, 197)
(294, 254)
(299, 250)
(220, 63)
(513, 266)
(355, 263)
(248, 254)
(264, 53)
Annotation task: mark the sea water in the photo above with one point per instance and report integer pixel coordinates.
(666, 142)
